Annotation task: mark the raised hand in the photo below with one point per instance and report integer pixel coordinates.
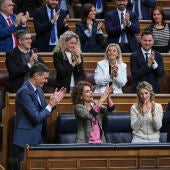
(57, 96)
(151, 58)
(89, 25)
(99, 26)
(56, 16)
(33, 58)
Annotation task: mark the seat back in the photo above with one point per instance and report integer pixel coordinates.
(66, 128)
(117, 128)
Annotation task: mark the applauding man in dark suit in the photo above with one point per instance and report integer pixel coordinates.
(49, 22)
(32, 110)
(146, 64)
(121, 26)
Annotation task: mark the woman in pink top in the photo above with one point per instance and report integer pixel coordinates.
(88, 113)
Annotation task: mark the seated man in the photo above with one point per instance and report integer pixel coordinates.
(20, 60)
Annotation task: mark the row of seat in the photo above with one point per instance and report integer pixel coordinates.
(72, 24)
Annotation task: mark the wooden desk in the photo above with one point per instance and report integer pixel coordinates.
(115, 156)
(122, 102)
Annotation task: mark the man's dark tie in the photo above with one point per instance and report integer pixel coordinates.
(146, 55)
(98, 4)
(53, 34)
(123, 32)
(136, 9)
(37, 96)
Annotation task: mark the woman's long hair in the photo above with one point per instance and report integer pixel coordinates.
(61, 46)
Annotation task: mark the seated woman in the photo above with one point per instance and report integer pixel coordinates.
(146, 115)
(89, 30)
(111, 70)
(88, 113)
(160, 30)
(68, 61)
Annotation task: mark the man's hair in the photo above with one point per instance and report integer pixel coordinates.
(2, 2)
(21, 33)
(147, 32)
(39, 68)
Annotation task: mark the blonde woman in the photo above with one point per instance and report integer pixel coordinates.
(146, 115)
(68, 61)
(111, 70)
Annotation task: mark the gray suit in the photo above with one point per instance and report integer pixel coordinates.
(84, 122)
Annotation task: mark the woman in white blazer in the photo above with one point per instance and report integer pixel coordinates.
(111, 70)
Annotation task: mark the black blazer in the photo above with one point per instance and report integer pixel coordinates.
(43, 27)
(94, 43)
(64, 71)
(17, 69)
(141, 72)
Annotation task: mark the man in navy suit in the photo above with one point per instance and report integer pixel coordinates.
(32, 110)
(49, 22)
(121, 26)
(141, 7)
(146, 64)
(9, 24)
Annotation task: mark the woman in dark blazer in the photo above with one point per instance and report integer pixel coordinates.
(89, 30)
(68, 61)
(88, 113)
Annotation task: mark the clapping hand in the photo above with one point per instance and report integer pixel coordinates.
(99, 26)
(151, 58)
(33, 58)
(89, 25)
(57, 96)
(114, 71)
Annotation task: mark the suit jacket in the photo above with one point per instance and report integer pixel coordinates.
(6, 42)
(43, 27)
(17, 69)
(145, 7)
(141, 72)
(64, 71)
(30, 125)
(102, 77)
(84, 119)
(166, 121)
(113, 29)
(93, 43)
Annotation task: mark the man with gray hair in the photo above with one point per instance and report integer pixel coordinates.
(9, 24)
(20, 60)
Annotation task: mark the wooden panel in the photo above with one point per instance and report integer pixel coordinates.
(90, 60)
(72, 24)
(127, 158)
